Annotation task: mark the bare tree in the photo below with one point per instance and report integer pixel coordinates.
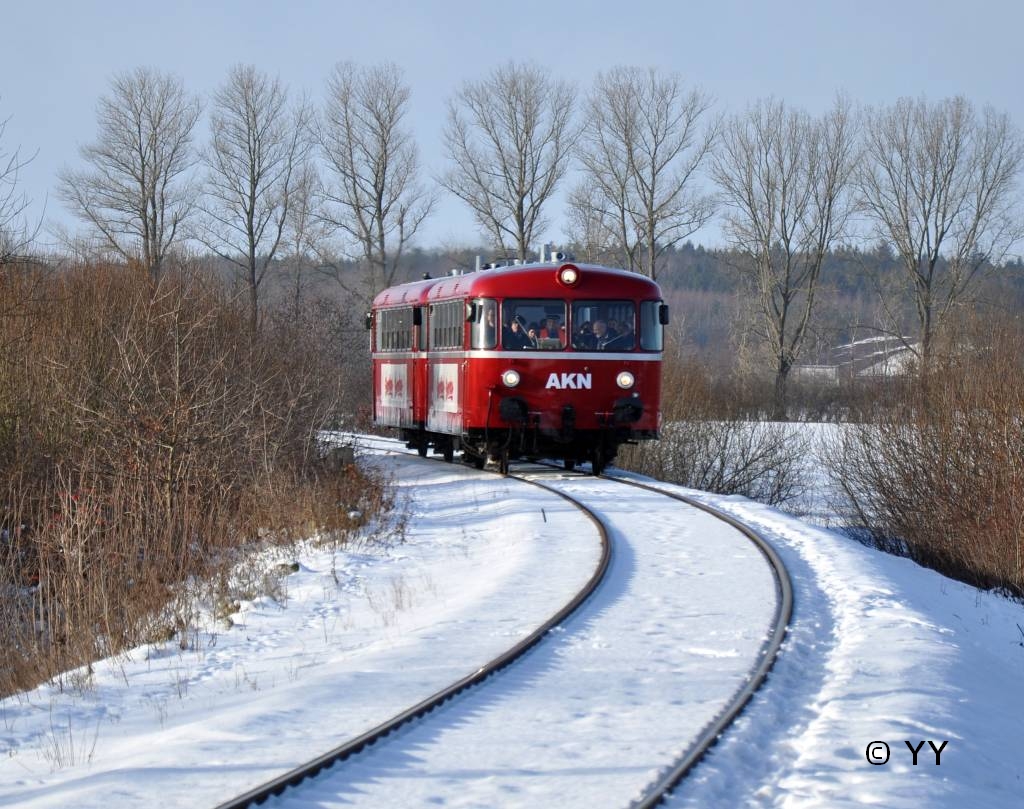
(785, 179)
(591, 228)
(305, 234)
(15, 231)
(371, 192)
(135, 193)
(257, 150)
(509, 138)
(643, 144)
(939, 183)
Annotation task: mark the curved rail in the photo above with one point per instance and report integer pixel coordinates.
(658, 791)
(312, 768)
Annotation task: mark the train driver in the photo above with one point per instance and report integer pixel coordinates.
(485, 328)
(490, 328)
(514, 337)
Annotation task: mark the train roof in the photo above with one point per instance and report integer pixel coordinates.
(539, 279)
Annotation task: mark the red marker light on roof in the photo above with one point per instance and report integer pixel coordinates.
(569, 275)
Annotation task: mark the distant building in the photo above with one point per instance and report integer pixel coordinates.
(870, 358)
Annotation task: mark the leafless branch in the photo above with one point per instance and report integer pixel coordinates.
(258, 147)
(16, 232)
(785, 180)
(939, 182)
(509, 138)
(643, 144)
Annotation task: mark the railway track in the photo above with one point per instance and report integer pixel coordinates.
(294, 784)
(710, 735)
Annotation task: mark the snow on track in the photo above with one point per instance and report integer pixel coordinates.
(592, 715)
(879, 649)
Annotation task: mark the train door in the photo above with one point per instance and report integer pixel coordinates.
(419, 367)
(393, 374)
(446, 374)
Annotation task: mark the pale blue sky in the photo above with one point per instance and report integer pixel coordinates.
(57, 58)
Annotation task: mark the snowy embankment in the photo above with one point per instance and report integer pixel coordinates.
(363, 635)
(879, 650)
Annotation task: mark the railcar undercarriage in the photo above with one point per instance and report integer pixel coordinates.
(503, 445)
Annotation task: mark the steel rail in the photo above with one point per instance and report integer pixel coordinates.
(659, 790)
(293, 778)
(656, 792)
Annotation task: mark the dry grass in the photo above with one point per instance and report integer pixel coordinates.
(938, 473)
(147, 438)
(709, 443)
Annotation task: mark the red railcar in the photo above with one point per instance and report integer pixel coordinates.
(545, 360)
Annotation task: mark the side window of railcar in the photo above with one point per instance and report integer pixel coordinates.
(604, 326)
(446, 324)
(533, 324)
(651, 331)
(485, 324)
(394, 330)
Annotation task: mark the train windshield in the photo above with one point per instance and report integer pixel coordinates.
(530, 324)
(604, 326)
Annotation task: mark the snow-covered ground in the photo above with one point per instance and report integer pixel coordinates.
(592, 715)
(879, 650)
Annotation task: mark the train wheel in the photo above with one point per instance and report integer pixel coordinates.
(421, 448)
(570, 464)
(598, 463)
(448, 450)
(472, 459)
(503, 463)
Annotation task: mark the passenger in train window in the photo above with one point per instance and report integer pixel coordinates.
(552, 330)
(584, 337)
(626, 341)
(507, 337)
(602, 337)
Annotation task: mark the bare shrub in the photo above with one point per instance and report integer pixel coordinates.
(707, 443)
(938, 474)
(147, 441)
(66, 745)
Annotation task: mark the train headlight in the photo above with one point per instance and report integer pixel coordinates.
(568, 275)
(510, 378)
(625, 380)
